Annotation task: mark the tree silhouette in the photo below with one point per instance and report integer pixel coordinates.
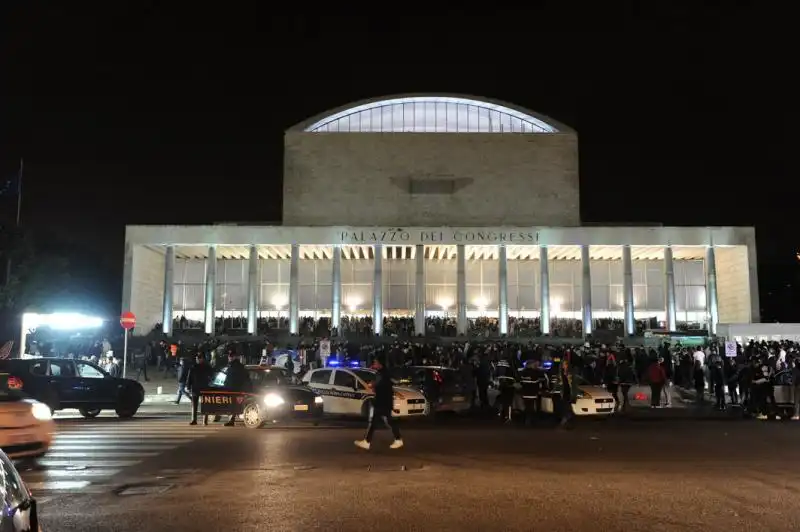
(39, 277)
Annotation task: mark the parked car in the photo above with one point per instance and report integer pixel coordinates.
(443, 387)
(67, 383)
(348, 392)
(26, 425)
(19, 512)
(276, 395)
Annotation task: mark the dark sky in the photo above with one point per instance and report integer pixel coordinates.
(148, 112)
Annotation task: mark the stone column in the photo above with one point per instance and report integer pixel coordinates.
(253, 290)
(377, 290)
(211, 289)
(669, 294)
(169, 280)
(419, 291)
(544, 291)
(461, 289)
(294, 290)
(336, 288)
(502, 289)
(586, 288)
(627, 290)
(712, 303)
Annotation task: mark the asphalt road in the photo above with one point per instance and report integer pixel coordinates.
(634, 475)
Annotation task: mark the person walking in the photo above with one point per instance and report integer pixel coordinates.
(381, 409)
(237, 379)
(197, 381)
(656, 377)
(182, 373)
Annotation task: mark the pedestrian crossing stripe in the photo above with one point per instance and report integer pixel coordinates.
(55, 462)
(84, 456)
(101, 454)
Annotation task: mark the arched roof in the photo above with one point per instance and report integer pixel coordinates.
(430, 113)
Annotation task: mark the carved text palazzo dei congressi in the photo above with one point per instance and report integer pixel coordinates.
(445, 236)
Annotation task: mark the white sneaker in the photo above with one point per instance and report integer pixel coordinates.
(396, 444)
(364, 444)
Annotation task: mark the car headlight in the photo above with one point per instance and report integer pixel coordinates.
(318, 400)
(41, 412)
(272, 400)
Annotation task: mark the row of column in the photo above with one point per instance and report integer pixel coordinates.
(461, 289)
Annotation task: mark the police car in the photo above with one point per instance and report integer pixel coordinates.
(590, 399)
(346, 392)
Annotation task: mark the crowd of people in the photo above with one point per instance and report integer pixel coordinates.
(744, 380)
(404, 326)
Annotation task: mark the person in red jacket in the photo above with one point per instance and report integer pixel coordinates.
(657, 378)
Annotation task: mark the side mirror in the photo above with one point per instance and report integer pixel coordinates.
(25, 505)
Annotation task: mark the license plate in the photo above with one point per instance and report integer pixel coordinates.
(301, 408)
(457, 399)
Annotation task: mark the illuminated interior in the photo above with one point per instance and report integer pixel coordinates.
(430, 114)
(482, 280)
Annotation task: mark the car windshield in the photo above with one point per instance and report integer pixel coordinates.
(365, 375)
(578, 380)
(270, 377)
(419, 374)
(402, 373)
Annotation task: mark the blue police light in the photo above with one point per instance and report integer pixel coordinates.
(333, 362)
(547, 364)
(355, 364)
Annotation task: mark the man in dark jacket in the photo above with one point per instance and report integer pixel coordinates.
(382, 406)
(796, 388)
(182, 373)
(197, 380)
(567, 398)
(534, 382)
(237, 379)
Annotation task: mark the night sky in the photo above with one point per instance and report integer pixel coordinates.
(157, 114)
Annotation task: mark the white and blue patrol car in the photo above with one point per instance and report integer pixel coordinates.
(347, 392)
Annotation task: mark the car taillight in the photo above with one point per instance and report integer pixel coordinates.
(639, 396)
(14, 383)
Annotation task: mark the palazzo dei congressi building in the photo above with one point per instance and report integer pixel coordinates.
(437, 205)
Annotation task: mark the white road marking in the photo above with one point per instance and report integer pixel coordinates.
(82, 462)
(99, 455)
(144, 433)
(57, 485)
(65, 447)
(84, 456)
(68, 473)
(119, 442)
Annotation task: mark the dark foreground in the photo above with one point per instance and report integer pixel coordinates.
(665, 475)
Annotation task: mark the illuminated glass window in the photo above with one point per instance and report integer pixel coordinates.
(431, 114)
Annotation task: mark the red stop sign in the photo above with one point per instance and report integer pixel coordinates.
(127, 320)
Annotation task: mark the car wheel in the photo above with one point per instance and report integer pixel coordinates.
(89, 412)
(366, 408)
(126, 413)
(251, 416)
(29, 463)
